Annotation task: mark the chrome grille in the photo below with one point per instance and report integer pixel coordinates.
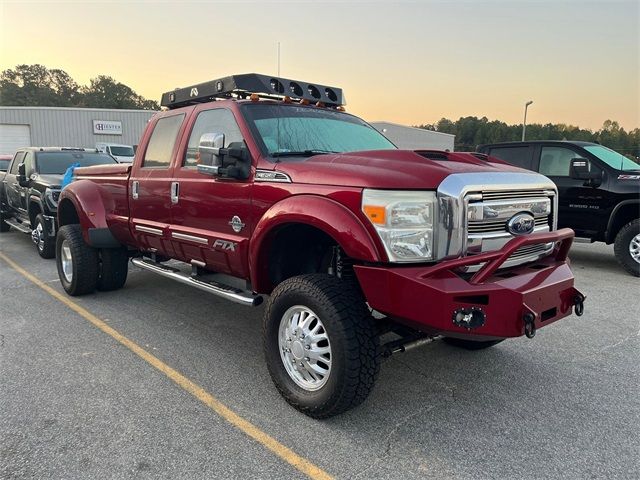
(499, 226)
(488, 213)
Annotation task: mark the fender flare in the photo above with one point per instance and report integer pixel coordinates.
(88, 201)
(609, 234)
(336, 220)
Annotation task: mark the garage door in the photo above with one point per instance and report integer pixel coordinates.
(13, 137)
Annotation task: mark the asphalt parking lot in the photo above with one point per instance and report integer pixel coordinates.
(76, 403)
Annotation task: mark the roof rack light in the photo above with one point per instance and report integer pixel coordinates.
(243, 85)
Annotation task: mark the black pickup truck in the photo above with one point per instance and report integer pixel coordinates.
(598, 190)
(30, 189)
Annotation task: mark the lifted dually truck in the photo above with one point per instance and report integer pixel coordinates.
(264, 186)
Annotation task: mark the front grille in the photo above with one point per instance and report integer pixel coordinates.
(499, 226)
(489, 212)
(507, 195)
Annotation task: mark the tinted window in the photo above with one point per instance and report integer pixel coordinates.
(4, 165)
(122, 151)
(162, 141)
(218, 120)
(555, 161)
(612, 158)
(17, 161)
(29, 164)
(56, 163)
(518, 156)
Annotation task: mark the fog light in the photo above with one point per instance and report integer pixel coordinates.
(469, 318)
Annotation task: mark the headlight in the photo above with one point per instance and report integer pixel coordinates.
(52, 195)
(404, 221)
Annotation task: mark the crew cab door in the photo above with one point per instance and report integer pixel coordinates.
(579, 203)
(11, 187)
(150, 185)
(210, 221)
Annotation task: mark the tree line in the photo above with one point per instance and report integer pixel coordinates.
(473, 131)
(39, 86)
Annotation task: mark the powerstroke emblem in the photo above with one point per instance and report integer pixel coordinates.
(521, 224)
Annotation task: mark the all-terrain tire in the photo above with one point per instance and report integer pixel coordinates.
(81, 275)
(628, 239)
(47, 245)
(113, 266)
(470, 344)
(354, 344)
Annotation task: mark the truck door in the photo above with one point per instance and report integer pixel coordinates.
(210, 221)
(11, 187)
(579, 205)
(150, 186)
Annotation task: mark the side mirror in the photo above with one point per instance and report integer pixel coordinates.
(580, 169)
(22, 175)
(215, 160)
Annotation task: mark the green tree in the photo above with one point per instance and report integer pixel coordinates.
(105, 92)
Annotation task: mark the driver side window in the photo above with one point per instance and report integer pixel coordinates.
(19, 158)
(556, 161)
(219, 120)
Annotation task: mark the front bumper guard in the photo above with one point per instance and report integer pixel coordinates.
(489, 304)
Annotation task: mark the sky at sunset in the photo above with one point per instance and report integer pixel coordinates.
(405, 62)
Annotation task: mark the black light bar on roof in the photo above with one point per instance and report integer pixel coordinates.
(245, 84)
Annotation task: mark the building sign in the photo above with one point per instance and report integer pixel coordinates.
(107, 127)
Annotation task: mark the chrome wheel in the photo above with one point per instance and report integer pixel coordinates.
(67, 261)
(304, 347)
(37, 235)
(634, 248)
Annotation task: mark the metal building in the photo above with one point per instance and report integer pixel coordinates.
(69, 127)
(411, 138)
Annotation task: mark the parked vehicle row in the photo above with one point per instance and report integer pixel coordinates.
(30, 189)
(598, 190)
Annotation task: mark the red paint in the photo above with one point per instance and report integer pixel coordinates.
(325, 193)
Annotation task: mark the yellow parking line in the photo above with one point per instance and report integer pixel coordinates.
(285, 453)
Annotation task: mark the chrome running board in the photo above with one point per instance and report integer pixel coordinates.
(236, 295)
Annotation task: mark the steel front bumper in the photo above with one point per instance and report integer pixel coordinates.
(434, 299)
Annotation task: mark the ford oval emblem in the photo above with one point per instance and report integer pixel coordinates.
(521, 224)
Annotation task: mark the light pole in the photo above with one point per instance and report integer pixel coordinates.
(524, 124)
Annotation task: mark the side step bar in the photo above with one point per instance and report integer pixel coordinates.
(242, 297)
(22, 227)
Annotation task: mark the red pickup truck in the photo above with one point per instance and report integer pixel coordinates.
(257, 186)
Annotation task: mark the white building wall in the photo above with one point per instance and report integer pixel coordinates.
(411, 138)
(72, 127)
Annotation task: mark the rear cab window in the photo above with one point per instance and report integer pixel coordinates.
(519, 155)
(162, 142)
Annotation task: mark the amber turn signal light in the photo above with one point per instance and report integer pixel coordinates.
(375, 214)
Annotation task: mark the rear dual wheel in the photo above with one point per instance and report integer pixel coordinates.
(83, 269)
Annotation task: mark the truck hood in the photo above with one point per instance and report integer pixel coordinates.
(48, 180)
(401, 169)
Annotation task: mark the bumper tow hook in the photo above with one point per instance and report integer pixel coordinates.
(529, 325)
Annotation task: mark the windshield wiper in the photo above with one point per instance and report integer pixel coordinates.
(301, 153)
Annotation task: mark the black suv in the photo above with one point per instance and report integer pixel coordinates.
(598, 190)
(29, 191)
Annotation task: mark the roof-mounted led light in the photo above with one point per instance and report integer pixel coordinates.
(320, 104)
(254, 97)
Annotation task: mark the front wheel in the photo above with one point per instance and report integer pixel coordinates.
(77, 262)
(320, 344)
(470, 344)
(45, 243)
(627, 247)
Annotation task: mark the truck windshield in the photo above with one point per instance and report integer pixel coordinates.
(56, 163)
(612, 158)
(294, 130)
(122, 151)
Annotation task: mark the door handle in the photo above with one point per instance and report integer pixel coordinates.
(135, 189)
(175, 192)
